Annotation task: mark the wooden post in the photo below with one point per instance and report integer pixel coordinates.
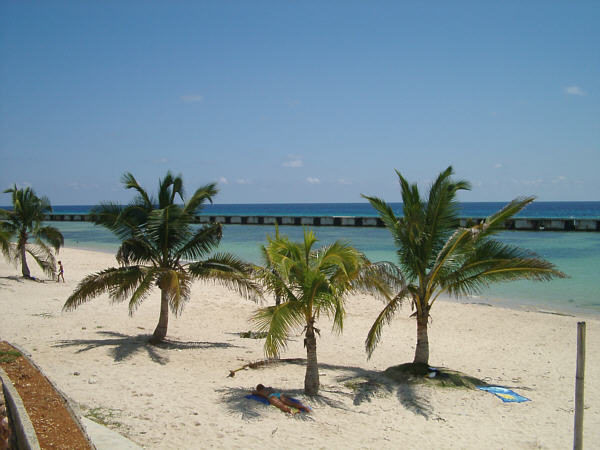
(579, 378)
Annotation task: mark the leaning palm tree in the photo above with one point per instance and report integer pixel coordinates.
(161, 247)
(310, 282)
(25, 222)
(436, 256)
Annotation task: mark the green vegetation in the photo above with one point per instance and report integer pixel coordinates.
(8, 356)
(253, 334)
(436, 256)
(104, 416)
(157, 238)
(310, 282)
(24, 222)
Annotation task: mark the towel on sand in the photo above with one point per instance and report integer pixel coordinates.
(506, 395)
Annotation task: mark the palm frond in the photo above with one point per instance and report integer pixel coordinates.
(229, 271)
(131, 183)
(278, 322)
(495, 222)
(202, 195)
(137, 250)
(103, 282)
(205, 240)
(384, 318)
(43, 257)
(491, 262)
(127, 283)
(52, 236)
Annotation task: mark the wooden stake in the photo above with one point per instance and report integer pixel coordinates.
(579, 379)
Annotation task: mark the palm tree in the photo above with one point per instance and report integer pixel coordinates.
(161, 247)
(24, 222)
(437, 257)
(310, 282)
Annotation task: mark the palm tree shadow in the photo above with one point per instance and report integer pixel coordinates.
(124, 346)
(16, 278)
(236, 402)
(367, 385)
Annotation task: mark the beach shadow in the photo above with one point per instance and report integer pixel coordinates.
(12, 278)
(413, 393)
(124, 346)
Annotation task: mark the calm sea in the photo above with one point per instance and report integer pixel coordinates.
(575, 253)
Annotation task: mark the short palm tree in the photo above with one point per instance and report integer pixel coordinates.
(310, 282)
(25, 222)
(437, 257)
(161, 247)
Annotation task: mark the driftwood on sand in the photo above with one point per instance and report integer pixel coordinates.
(265, 362)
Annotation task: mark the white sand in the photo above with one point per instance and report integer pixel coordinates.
(180, 396)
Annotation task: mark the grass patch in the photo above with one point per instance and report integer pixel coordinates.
(8, 356)
(253, 334)
(414, 373)
(104, 416)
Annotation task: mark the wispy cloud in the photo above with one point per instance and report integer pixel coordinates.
(499, 165)
(574, 90)
(344, 181)
(191, 98)
(559, 179)
(312, 180)
(242, 181)
(160, 161)
(223, 180)
(293, 161)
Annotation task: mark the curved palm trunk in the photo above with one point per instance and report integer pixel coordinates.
(422, 350)
(24, 267)
(163, 321)
(311, 379)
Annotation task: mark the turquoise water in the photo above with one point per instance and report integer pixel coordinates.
(566, 210)
(575, 253)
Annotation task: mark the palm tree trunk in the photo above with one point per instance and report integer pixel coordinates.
(311, 379)
(422, 350)
(163, 321)
(24, 267)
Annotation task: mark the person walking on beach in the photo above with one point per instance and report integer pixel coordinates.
(61, 272)
(279, 399)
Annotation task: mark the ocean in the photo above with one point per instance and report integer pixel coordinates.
(575, 253)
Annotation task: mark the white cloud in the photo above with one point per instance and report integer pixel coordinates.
(574, 90)
(242, 181)
(344, 181)
(223, 180)
(312, 180)
(559, 179)
(161, 161)
(293, 161)
(191, 98)
(499, 165)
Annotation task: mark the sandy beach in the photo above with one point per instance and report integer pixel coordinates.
(179, 396)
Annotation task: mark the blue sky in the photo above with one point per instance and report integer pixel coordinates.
(300, 101)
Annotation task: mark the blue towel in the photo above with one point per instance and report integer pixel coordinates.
(258, 398)
(506, 395)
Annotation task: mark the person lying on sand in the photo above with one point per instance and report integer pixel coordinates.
(279, 399)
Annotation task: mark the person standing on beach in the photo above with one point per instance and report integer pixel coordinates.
(61, 272)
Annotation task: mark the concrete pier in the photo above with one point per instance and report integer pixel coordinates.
(537, 224)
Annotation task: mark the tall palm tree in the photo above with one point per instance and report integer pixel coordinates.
(24, 222)
(161, 247)
(310, 282)
(436, 256)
